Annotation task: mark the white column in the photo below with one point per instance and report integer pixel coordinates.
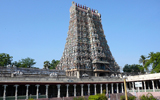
(47, 90)
(67, 90)
(27, 91)
(153, 86)
(106, 88)
(4, 93)
(112, 87)
(144, 86)
(117, 88)
(101, 88)
(88, 89)
(58, 86)
(95, 92)
(122, 87)
(74, 90)
(138, 89)
(16, 90)
(81, 89)
(37, 90)
(133, 86)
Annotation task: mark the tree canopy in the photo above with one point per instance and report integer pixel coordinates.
(5, 59)
(46, 64)
(54, 63)
(25, 63)
(134, 68)
(51, 65)
(154, 61)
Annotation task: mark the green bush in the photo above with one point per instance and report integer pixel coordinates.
(147, 97)
(129, 98)
(31, 99)
(98, 97)
(80, 98)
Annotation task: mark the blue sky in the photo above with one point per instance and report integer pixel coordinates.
(38, 28)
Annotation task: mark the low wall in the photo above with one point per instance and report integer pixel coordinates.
(138, 94)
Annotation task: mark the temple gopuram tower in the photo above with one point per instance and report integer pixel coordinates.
(86, 50)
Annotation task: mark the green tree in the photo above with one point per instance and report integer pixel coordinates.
(25, 63)
(154, 61)
(5, 59)
(54, 63)
(127, 68)
(143, 61)
(134, 68)
(46, 64)
(17, 64)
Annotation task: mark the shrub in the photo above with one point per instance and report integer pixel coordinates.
(147, 97)
(129, 98)
(31, 99)
(98, 97)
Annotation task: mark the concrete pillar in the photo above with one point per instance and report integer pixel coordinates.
(16, 90)
(47, 90)
(67, 90)
(74, 90)
(117, 88)
(112, 87)
(144, 86)
(27, 85)
(58, 86)
(4, 93)
(133, 86)
(81, 89)
(101, 88)
(122, 87)
(95, 92)
(106, 88)
(138, 89)
(96, 75)
(88, 89)
(153, 85)
(37, 90)
(78, 75)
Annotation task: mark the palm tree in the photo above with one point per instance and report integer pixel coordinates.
(143, 61)
(154, 60)
(46, 64)
(150, 54)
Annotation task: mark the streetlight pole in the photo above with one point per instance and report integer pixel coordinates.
(125, 87)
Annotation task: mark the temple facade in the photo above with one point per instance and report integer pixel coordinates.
(86, 49)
